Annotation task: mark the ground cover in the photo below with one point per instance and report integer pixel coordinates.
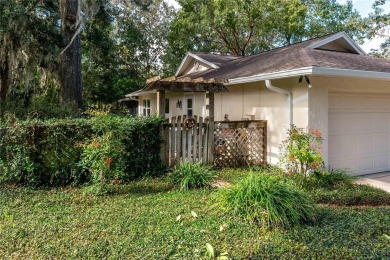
(150, 219)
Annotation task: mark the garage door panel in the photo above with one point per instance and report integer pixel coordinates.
(365, 143)
(365, 164)
(381, 143)
(359, 132)
(382, 162)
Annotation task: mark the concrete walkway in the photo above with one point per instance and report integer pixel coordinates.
(378, 180)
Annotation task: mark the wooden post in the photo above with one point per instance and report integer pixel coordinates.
(210, 143)
(161, 103)
(164, 131)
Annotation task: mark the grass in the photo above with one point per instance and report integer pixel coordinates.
(188, 175)
(141, 220)
(266, 200)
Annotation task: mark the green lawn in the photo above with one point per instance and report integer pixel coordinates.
(140, 221)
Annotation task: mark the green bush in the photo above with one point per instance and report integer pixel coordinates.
(268, 200)
(75, 151)
(301, 151)
(329, 179)
(188, 175)
(42, 153)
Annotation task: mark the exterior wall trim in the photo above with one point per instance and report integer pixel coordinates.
(338, 36)
(319, 71)
(187, 60)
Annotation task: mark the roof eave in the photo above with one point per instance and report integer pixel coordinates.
(318, 71)
(193, 56)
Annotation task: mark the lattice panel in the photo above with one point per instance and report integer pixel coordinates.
(242, 146)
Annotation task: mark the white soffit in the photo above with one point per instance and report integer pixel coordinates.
(341, 39)
(187, 60)
(318, 71)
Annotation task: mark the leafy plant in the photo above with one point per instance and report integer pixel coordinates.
(75, 151)
(268, 200)
(301, 151)
(188, 175)
(329, 179)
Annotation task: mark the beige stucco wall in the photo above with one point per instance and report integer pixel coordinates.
(153, 103)
(310, 105)
(199, 103)
(255, 99)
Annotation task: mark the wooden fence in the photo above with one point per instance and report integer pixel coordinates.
(233, 143)
(186, 140)
(240, 143)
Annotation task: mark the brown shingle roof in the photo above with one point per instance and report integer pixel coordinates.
(288, 58)
(216, 59)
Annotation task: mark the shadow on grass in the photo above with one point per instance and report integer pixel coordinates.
(142, 188)
(340, 233)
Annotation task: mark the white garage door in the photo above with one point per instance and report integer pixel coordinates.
(359, 132)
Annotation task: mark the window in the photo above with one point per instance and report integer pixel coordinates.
(167, 106)
(146, 109)
(190, 107)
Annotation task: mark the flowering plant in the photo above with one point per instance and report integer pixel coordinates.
(301, 151)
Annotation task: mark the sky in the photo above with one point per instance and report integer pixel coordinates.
(363, 6)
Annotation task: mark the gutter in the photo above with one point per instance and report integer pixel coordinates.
(269, 86)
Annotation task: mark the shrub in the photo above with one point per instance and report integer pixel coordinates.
(42, 153)
(75, 151)
(301, 151)
(329, 179)
(268, 200)
(188, 175)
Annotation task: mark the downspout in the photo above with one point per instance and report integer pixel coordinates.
(269, 86)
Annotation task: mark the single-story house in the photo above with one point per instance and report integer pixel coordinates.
(327, 83)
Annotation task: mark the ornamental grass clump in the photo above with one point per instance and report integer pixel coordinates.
(268, 201)
(188, 175)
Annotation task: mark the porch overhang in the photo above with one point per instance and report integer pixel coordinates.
(185, 85)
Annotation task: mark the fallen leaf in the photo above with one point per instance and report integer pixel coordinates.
(193, 213)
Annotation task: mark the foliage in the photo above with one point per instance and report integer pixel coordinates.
(301, 151)
(383, 51)
(188, 175)
(249, 27)
(268, 201)
(62, 152)
(42, 153)
(329, 179)
(352, 195)
(140, 221)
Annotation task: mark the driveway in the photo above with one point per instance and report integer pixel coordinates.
(379, 180)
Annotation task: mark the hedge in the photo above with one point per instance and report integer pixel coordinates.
(69, 151)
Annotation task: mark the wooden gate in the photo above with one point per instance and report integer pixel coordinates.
(186, 140)
(233, 143)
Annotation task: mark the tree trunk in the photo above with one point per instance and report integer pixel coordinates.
(71, 88)
(4, 80)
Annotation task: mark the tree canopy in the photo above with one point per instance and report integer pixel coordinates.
(122, 43)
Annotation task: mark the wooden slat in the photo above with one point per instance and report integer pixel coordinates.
(194, 139)
(184, 140)
(173, 141)
(200, 143)
(205, 142)
(210, 141)
(178, 139)
(189, 144)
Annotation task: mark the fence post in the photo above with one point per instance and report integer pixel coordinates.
(210, 144)
(161, 103)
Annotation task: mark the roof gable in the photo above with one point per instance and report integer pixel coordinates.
(338, 42)
(194, 63)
